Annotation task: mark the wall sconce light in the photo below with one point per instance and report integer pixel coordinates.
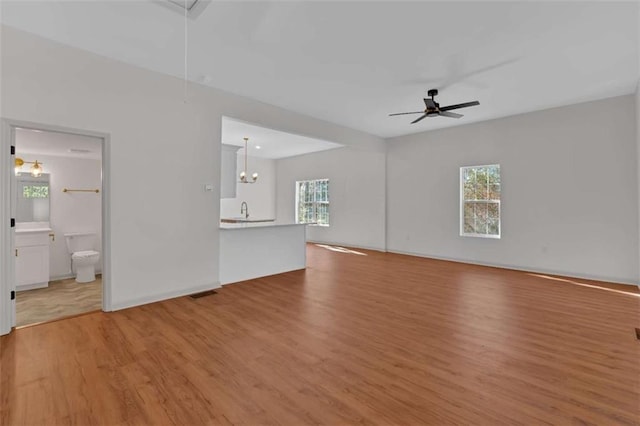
(18, 165)
(36, 170)
(243, 174)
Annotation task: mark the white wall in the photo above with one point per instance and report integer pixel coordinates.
(569, 191)
(164, 226)
(356, 194)
(260, 196)
(70, 212)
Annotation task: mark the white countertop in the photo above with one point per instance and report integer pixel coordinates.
(32, 230)
(244, 220)
(244, 225)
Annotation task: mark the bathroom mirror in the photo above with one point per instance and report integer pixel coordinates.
(32, 193)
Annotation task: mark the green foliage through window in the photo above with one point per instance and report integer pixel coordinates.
(480, 187)
(35, 191)
(312, 201)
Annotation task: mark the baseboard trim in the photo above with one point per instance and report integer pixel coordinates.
(62, 277)
(347, 245)
(613, 280)
(32, 286)
(116, 306)
(263, 276)
(69, 275)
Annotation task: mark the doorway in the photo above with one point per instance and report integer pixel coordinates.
(57, 187)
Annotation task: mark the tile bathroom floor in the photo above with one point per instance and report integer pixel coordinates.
(61, 299)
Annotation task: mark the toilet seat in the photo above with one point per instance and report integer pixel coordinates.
(84, 257)
(83, 264)
(84, 254)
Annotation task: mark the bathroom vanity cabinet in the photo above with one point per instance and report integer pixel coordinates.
(32, 258)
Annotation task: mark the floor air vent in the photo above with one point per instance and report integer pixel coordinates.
(203, 294)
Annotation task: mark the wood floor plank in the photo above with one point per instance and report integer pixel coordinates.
(359, 337)
(63, 298)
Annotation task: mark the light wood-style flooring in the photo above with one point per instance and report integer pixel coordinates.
(61, 299)
(369, 338)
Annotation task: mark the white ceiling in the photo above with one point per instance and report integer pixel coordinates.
(273, 144)
(36, 142)
(355, 62)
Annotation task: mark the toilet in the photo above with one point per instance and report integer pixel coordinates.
(84, 257)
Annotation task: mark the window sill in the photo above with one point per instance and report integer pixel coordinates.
(492, 237)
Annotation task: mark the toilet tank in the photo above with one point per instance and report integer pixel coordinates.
(81, 241)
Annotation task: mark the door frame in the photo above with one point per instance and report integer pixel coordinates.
(7, 209)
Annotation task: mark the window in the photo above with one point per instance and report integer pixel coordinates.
(312, 202)
(480, 201)
(35, 191)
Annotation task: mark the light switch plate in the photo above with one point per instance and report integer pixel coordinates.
(208, 187)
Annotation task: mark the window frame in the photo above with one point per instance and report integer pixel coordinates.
(313, 203)
(487, 202)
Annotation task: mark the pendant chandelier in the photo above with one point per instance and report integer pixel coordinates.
(243, 174)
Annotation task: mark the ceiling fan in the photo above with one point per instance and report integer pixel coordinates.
(433, 108)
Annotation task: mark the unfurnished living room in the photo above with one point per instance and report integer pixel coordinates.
(319, 212)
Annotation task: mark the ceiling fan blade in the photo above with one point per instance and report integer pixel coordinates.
(429, 103)
(403, 113)
(450, 114)
(418, 119)
(464, 105)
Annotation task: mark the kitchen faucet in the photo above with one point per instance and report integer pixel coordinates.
(244, 209)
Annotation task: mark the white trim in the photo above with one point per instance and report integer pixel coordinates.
(68, 276)
(462, 203)
(64, 277)
(7, 273)
(314, 202)
(164, 296)
(490, 236)
(32, 286)
(609, 279)
(107, 289)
